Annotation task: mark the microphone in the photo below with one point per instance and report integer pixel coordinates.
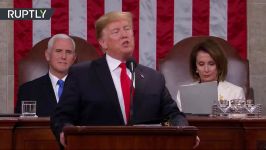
(131, 65)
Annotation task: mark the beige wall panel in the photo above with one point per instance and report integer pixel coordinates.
(257, 49)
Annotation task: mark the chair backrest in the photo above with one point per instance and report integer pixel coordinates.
(175, 66)
(34, 64)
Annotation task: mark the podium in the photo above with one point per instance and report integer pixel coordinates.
(130, 137)
(34, 134)
(7, 125)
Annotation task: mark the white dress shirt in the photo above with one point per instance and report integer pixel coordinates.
(115, 70)
(54, 80)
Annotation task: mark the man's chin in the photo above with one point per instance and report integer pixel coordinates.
(62, 70)
(128, 54)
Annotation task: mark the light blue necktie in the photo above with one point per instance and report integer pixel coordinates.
(61, 87)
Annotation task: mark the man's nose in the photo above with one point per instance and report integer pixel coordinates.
(124, 33)
(63, 55)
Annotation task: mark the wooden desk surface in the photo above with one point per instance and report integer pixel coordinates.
(230, 133)
(7, 126)
(34, 133)
(214, 132)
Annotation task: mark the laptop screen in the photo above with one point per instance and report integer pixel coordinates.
(198, 98)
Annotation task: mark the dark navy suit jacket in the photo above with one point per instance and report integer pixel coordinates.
(41, 91)
(90, 98)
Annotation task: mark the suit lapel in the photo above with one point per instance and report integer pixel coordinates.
(103, 72)
(47, 86)
(139, 88)
(139, 80)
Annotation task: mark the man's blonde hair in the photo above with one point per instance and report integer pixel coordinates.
(104, 20)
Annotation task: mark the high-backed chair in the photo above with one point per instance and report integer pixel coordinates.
(34, 64)
(175, 66)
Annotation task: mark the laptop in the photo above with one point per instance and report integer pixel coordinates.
(197, 99)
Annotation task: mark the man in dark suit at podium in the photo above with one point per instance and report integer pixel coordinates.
(99, 93)
(47, 89)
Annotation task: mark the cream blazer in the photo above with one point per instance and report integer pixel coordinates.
(226, 91)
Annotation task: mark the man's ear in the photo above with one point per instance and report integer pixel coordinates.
(75, 58)
(47, 55)
(102, 43)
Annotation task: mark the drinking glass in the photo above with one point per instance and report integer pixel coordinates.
(224, 105)
(28, 109)
(254, 109)
(238, 106)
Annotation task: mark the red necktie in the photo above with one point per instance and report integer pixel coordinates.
(125, 85)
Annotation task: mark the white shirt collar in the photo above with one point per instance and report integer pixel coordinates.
(112, 62)
(54, 79)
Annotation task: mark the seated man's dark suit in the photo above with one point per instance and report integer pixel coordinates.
(41, 91)
(90, 98)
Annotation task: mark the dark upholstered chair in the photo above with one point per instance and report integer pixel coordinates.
(175, 66)
(34, 64)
